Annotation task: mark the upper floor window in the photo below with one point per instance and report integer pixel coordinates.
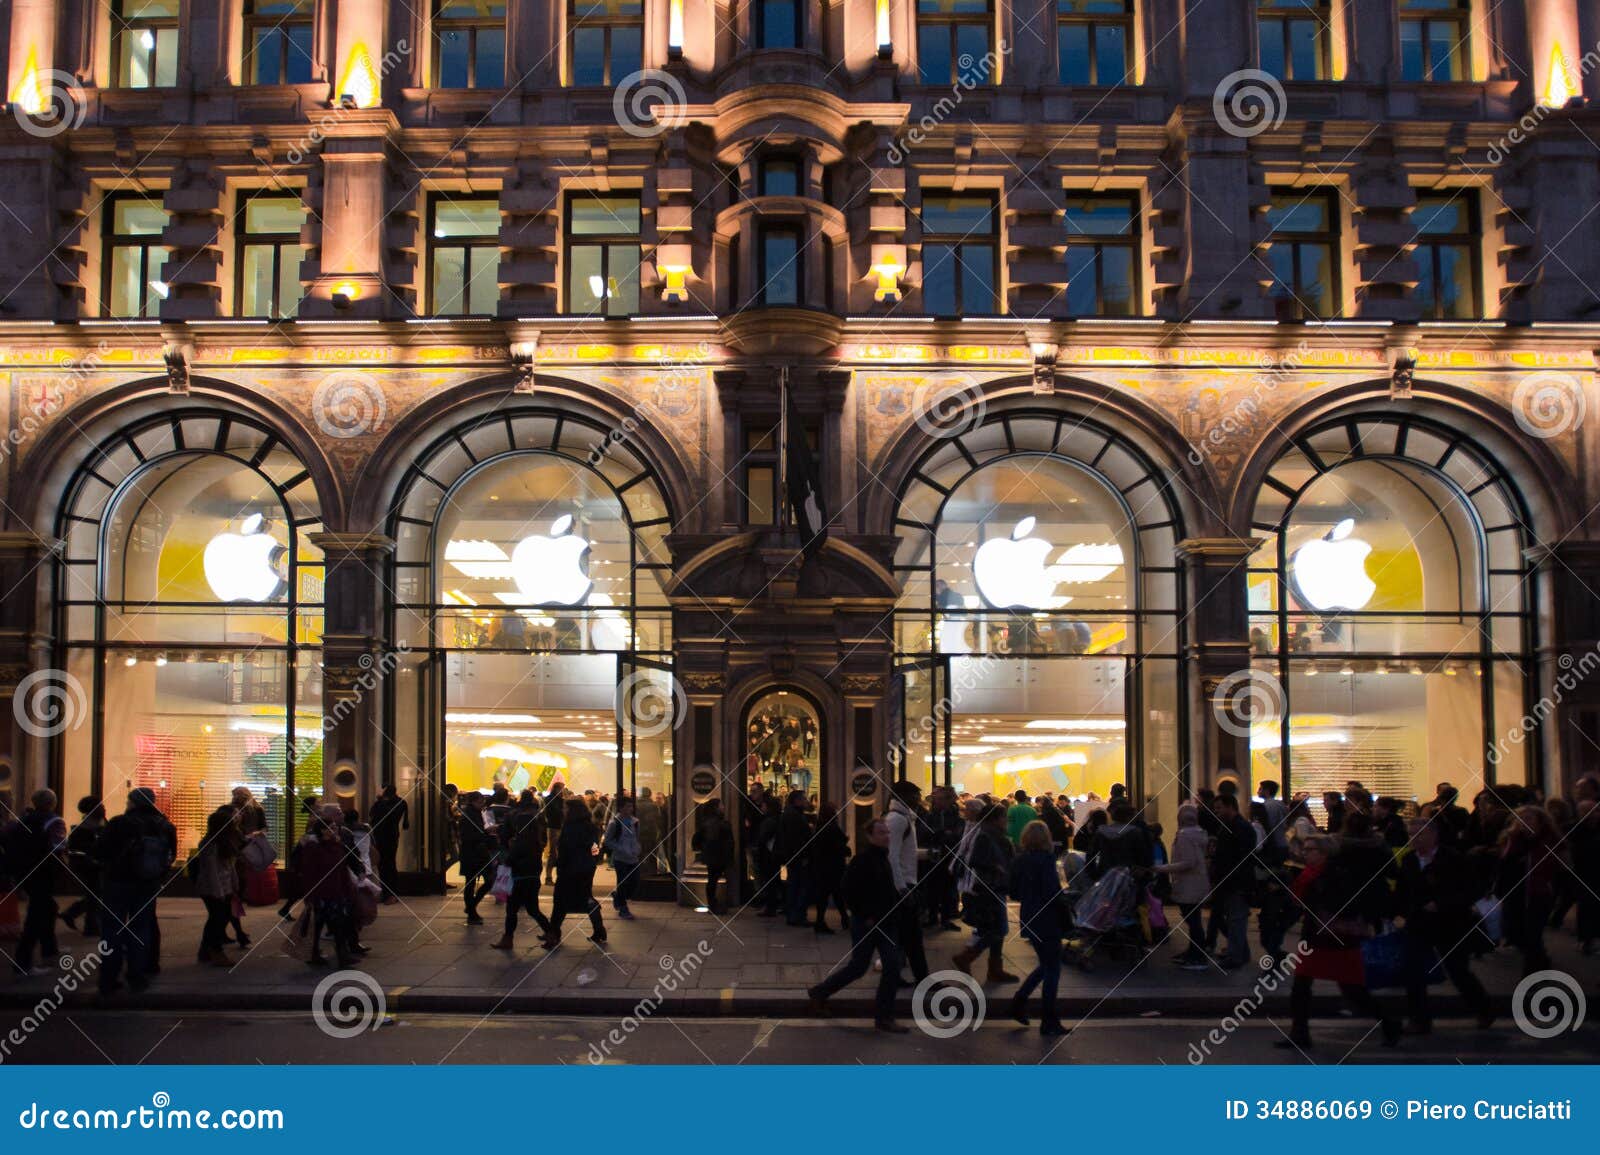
(960, 255)
(1433, 39)
(1294, 38)
(603, 254)
(759, 464)
(277, 39)
(463, 255)
(782, 280)
(1304, 238)
(779, 23)
(1094, 40)
(953, 38)
(779, 177)
(1102, 256)
(135, 256)
(1447, 256)
(606, 41)
(144, 37)
(269, 254)
(469, 44)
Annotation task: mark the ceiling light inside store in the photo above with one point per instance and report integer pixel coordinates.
(544, 735)
(1076, 724)
(1037, 739)
(468, 718)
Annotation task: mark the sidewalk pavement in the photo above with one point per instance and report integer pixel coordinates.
(428, 960)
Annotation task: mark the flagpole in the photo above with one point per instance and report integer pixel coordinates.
(783, 447)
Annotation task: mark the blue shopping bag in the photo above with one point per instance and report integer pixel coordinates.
(1394, 959)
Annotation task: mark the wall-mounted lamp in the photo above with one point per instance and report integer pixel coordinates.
(888, 265)
(881, 21)
(345, 294)
(1560, 89)
(675, 263)
(361, 86)
(675, 29)
(28, 96)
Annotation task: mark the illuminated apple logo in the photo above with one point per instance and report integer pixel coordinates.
(549, 570)
(1011, 572)
(246, 566)
(1330, 571)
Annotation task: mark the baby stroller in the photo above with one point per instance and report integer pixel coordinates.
(1106, 919)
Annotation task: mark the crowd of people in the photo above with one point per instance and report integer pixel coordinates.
(1445, 881)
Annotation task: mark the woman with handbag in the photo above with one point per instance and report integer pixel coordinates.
(1328, 891)
(525, 860)
(1036, 886)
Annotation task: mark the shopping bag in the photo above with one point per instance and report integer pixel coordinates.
(297, 943)
(1491, 920)
(261, 887)
(258, 852)
(502, 884)
(1157, 909)
(366, 902)
(1396, 959)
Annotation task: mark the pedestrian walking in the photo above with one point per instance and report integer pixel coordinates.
(1191, 884)
(1035, 884)
(524, 856)
(83, 867)
(622, 843)
(391, 815)
(214, 870)
(830, 855)
(136, 853)
(35, 849)
(1435, 896)
(905, 803)
(328, 869)
(985, 862)
(714, 841)
(576, 857)
(478, 855)
(870, 891)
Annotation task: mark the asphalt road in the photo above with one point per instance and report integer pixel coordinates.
(133, 1037)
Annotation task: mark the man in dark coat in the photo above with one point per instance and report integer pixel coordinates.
(869, 888)
(794, 850)
(390, 815)
(1435, 895)
(136, 853)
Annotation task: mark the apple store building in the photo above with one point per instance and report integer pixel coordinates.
(502, 588)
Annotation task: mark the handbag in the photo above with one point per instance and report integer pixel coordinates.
(1157, 910)
(1491, 919)
(258, 852)
(502, 884)
(1396, 959)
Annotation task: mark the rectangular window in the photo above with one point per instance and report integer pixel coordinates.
(1102, 256)
(469, 44)
(953, 38)
(269, 255)
(1094, 41)
(781, 279)
(603, 254)
(1304, 255)
(605, 41)
(780, 177)
(464, 255)
(135, 256)
(760, 470)
(1447, 257)
(1434, 44)
(277, 41)
(144, 35)
(1294, 38)
(778, 24)
(960, 255)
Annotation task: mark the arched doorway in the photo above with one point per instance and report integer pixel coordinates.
(188, 599)
(783, 745)
(1390, 613)
(529, 560)
(1037, 641)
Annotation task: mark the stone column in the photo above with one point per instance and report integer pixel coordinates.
(1218, 649)
(47, 707)
(1568, 664)
(356, 665)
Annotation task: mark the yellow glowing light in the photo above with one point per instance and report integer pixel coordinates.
(1560, 87)
(348, 289)
(675, 25)
(674, 288)
(28, 95)
(884, 39)
(361, 80)
(888, 273)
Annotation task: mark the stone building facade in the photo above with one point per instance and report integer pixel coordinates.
(1275, 323)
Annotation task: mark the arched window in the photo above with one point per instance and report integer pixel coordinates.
(529, 563)
(1037, 636)
(1389, 613)
(189, 602)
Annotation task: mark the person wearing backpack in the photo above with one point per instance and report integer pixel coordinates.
(622, 843)
(136, 852)
(33, 849)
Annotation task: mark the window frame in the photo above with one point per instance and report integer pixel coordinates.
(1094, 21)
(278, 26)
(1294, 303)
(1469, 239)
(123, 28)
(1459, 15)
(772, 228)
(1319, 11)
(471, 26)
(144, 242)
(277, 242)
(608, 24)
(605, 242)
(758, 26)
(957, 242)
(1131, 242)
(465, 242)
(952, 22)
